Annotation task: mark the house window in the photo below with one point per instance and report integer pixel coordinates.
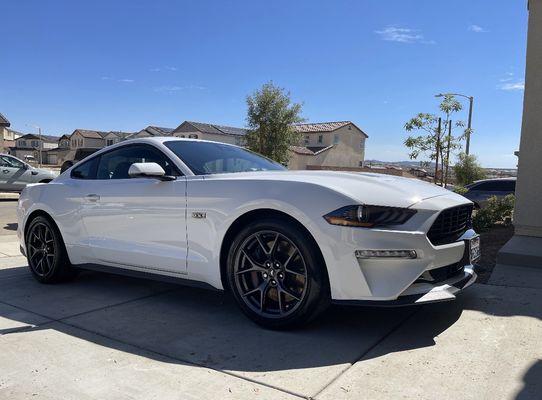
(306, 139)
(335, 138)
(80, 142)
(193, 136)
(22, 143)
(109, 142)
(362, 144)
(34, 143)
(320, 139)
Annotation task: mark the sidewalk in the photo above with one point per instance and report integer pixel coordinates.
(109, 337)
(9, 246)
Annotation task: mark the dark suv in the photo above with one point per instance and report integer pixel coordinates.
(79, 155)
(480, 191)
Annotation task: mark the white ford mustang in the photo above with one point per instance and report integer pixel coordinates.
(285, 243)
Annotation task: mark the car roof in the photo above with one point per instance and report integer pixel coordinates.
(510, 178)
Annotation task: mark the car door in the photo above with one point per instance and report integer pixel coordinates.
(135, 223)
(14, 174)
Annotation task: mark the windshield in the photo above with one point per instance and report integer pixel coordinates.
(205, 158)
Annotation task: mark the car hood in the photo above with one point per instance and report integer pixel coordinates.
(365, 188)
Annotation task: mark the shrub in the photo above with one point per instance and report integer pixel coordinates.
(460, 190)
(497, 210)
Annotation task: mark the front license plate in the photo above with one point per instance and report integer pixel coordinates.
(474, 248)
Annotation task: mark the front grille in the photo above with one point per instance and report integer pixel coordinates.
(450, 225)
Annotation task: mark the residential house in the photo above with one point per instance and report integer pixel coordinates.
(36, 146)
(86, 138)
(91, 139)
(215, 133)
(7, 136)
(114, 137)
(328, 145)
(150, 131)
(62, 152)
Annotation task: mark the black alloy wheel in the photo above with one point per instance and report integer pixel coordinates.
(46, 254)
(276, 275)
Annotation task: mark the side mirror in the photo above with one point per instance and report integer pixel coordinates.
(148, 170)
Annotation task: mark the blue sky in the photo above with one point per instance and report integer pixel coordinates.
(123, 65)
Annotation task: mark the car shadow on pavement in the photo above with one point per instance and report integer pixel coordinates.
(203, 327)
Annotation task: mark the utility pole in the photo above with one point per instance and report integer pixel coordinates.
(467, 145)
(448, 152)
(39, 145)
(438, 148)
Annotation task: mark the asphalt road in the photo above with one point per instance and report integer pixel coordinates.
(8, 217)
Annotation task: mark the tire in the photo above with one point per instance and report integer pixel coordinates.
(46, 254)
(276, 274)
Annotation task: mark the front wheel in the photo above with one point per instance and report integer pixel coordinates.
(277, 275)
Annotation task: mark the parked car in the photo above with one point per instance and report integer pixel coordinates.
(80, 154)
(284, 243)
(480, 191)
(15, 174)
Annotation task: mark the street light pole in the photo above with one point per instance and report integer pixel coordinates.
(469, 122)
(39, 144)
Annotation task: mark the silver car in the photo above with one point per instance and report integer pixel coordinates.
(16, 174)
(480, 191)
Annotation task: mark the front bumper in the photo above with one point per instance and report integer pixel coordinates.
(425, 292)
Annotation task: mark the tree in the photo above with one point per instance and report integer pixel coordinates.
(438, 141)
(467, 170)
(270, 116)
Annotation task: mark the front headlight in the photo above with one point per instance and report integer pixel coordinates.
(366, 216)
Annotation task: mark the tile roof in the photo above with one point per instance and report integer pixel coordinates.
(309, 151)
(158, 130)
(46, 138)
(217, 129)
(87, 133)
(4, 121)
(324, 127)
(321, 126)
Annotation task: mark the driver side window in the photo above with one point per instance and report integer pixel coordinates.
(116, 163)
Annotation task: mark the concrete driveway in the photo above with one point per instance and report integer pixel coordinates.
(108, 337)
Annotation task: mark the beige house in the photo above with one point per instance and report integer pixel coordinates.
(90, 139)
(338, 144)
(34, 146)
(150, 131)
(85, 138)
(525, 247)
(7, 136)
(215, 133)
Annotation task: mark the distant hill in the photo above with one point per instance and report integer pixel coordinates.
(403, 164)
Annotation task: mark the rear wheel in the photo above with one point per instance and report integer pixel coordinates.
(46, 254)
(277, 275)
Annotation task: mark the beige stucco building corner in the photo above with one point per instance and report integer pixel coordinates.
(525, 248)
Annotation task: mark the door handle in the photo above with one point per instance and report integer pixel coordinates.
(92, 197)
(5, 171)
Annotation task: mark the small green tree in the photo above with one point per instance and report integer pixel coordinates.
(270, 116)
(467, 170)
(435, 143)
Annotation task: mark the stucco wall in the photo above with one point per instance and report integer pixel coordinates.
(528, 212)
